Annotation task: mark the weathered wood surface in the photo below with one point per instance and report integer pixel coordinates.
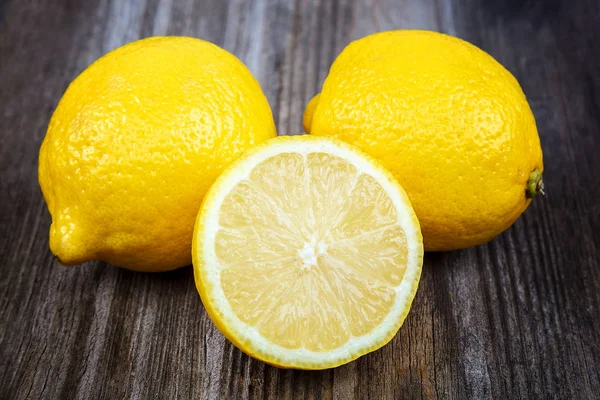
(517, 318)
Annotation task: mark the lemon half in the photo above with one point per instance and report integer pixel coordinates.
(307, 253)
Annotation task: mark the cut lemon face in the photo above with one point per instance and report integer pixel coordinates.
(307, 253)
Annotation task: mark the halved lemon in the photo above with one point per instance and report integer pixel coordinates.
(307, 253)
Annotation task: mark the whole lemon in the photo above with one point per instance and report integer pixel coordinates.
(450, 123)
(134, 144)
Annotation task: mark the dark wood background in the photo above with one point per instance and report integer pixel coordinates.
(517, 318)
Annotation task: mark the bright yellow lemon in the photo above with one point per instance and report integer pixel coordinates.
(134, 144)
(449, 122)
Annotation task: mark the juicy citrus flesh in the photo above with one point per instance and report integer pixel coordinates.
(307, 254)
(449, 122)
(134, 144)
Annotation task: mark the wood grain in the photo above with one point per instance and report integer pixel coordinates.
(516, 318)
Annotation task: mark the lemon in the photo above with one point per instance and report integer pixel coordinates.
(449, 122)
(134, 144)
(307, 253)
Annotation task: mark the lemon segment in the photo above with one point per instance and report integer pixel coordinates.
(307, 253)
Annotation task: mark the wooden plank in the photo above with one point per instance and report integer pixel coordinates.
(534, 306)
(512, 319)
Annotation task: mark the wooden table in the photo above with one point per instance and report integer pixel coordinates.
(516, 318)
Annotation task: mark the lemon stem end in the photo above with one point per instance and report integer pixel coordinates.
(535, 184)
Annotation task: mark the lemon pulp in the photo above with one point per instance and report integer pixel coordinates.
(309, 252)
